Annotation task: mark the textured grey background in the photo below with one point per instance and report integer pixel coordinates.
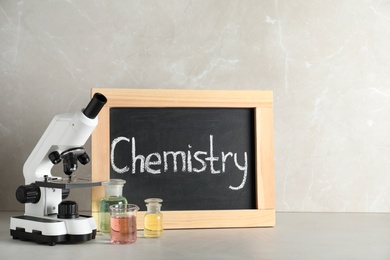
(326, 61)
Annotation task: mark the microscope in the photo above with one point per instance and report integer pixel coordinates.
(48, 219)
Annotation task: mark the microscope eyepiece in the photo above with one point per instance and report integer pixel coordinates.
(95, 105)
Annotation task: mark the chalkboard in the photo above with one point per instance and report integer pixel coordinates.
(206, 153)
(192, 158)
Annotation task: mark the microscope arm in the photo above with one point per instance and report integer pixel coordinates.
(65, 131)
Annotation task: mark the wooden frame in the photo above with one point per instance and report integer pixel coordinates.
(261, 101)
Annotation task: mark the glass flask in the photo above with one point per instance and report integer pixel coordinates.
(123, 223)
(153, 220)
(113, 189)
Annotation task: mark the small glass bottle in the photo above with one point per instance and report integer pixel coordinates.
(153, 220)
(113, 189)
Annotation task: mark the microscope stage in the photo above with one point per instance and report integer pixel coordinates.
(66, 185)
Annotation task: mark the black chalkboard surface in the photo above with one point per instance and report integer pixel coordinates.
(192, 158)
(207, 153)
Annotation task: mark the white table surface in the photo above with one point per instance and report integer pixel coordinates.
(295, 236)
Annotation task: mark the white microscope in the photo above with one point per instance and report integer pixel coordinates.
(47, 218)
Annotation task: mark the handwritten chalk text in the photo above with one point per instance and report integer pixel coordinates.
(156, 163)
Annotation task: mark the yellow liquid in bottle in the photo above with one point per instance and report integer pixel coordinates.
(153, 226)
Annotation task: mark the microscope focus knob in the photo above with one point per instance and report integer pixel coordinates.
(28, 193)
(68, 209)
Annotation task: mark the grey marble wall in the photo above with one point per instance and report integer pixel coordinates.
(328, 63)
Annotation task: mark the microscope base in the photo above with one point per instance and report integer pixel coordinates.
(49, 230)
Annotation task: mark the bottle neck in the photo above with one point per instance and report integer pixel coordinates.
(113, 191)
(153, 208)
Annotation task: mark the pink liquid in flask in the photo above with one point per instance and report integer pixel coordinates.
(123, 229)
